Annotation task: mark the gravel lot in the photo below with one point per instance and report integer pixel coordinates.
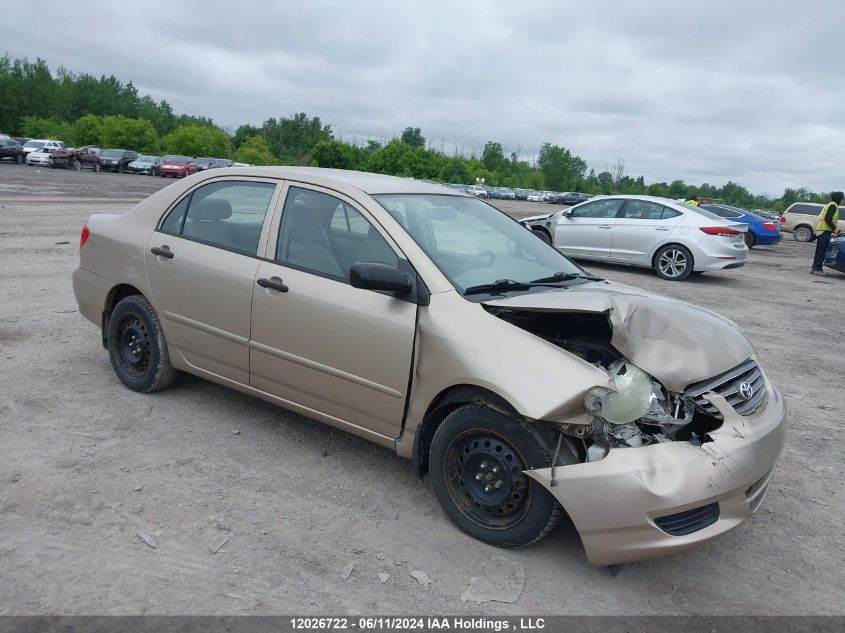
(93, 475)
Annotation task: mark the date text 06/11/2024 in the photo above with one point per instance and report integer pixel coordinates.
(443, 623)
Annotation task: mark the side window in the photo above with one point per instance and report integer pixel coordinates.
(229, 214)
(598, 209)
(644, 210)
(324, 235)
(669, 213)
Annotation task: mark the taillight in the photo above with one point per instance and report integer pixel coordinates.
(771, 226)
(718, 230)
(83, 237)
(783, 219)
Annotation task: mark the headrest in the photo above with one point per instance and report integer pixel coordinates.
(212, 209)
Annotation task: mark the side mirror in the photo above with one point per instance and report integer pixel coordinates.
(567, 214)
(374, 276)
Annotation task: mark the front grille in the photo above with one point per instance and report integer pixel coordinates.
(727, 385)
(689, 521)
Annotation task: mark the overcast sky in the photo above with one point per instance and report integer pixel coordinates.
(743, 90)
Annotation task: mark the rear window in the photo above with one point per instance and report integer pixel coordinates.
(805, 209)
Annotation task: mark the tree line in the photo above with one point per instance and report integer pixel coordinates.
(82, 109)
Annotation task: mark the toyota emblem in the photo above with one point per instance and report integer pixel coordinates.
(746, 391)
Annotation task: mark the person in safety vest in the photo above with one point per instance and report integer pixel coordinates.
(693, 200)
(825, 229)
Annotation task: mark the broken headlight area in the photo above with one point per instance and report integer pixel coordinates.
(638, 411)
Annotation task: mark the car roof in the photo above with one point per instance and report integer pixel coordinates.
(668, 202)
(369, 183)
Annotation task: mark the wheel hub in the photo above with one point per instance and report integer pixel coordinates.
(487, 480)
(134, 345)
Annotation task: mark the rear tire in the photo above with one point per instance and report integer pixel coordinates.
(137, 349)
(802, 234)
(19, 159)
(750, 239)
(673, 262)
(543, 235)
(475, 449)
(77, 165)
(96, 166)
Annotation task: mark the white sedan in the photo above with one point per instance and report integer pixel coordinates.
(673, 238)
(39, 157)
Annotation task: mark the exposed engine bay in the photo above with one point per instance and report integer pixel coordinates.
(639, 411)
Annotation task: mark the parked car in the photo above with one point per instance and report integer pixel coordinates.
(147, 165)
(221, 162)
(477, 191)
(835, 255)
(87, 157)
(39, 157)
(117, 160)
(506, 194)
(45, 144)
(521, 194)
(204, 163)
(533, 196)
(570, 198)
(761, 232)
(674, 239)
(801, 219)
(433, 324)
(11, 151)
(178, 166)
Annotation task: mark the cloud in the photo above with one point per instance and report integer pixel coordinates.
(716, 91)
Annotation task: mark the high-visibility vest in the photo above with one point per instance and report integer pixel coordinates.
(693, 202)
(822, 225)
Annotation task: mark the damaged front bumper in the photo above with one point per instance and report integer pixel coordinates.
(701, 491)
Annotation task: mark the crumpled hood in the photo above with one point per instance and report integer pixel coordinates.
(676, 342)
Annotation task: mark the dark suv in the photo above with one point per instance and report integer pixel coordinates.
(11, 150)
(116, 159)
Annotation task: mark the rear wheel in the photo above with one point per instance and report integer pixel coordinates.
(96, 166)
(802, 234)
(77, 165)
(673, 262)
(51, 163)
(543, 235)
(137, 349)
(19, 159)
(478, 461)
(750, 239)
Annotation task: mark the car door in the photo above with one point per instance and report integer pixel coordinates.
(586, 230)
(642, 226)
(201, 264)
(319, 343)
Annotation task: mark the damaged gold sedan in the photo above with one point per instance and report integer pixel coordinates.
(430, 322)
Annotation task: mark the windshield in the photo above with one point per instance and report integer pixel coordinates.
(34, 144)
(145, 159)
(113, 153)
(473, 243)
(177, 159)
(704, 212)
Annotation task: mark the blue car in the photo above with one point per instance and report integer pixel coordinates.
(835, 256)
(761, 232)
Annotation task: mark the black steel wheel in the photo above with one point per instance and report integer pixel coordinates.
(478, 460)
(137, 348)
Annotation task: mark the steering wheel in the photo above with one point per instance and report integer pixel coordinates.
(478, 257)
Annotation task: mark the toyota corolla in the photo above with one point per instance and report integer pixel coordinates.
(429, 322)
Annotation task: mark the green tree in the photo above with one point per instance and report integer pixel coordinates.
(254, 151)
(493, 157)
(47, 127)
(87, 130)
(197, 140)
(412, 136)
(124, 133)
(335, 154)
(561, 169)
(291, 139)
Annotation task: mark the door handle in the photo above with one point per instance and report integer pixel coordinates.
(661, 228)
(605, 226)
(272, 285)
(162, 252)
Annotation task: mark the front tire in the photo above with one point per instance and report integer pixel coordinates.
(750, 239)
(77, 165)
(478, 461)
(96, 166)
(543, 235)
(802, 234)
(673, 262)
(19, 159)
(137, 349)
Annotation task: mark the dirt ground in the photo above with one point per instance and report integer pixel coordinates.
(112, 502)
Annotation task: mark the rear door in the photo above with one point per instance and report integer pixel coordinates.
(587, 230)
(343, 352)
(642, 227)
(201, 264)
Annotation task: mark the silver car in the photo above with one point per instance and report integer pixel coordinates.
(673, 238)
